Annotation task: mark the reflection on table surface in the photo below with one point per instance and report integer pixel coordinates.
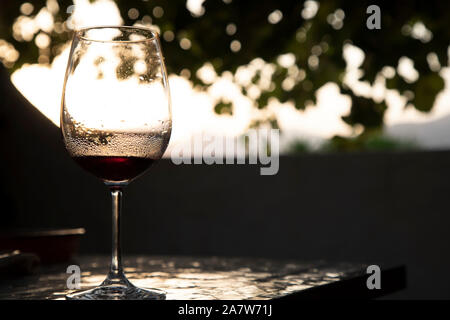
(188, 277)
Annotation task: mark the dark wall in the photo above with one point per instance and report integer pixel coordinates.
(377, 208)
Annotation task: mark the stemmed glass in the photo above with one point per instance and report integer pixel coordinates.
(116, 121)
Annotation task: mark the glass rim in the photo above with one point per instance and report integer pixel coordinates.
(80, 33)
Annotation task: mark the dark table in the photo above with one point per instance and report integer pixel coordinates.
(215, 278)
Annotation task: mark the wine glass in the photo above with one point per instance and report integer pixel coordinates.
(116, 122)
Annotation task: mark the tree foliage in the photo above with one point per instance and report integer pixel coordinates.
(316, 42)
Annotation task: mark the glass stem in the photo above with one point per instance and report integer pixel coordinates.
(116, 258)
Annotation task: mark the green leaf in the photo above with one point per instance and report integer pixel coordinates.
(426, 89)
(224, 108)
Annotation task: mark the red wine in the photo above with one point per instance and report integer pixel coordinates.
(112, 168)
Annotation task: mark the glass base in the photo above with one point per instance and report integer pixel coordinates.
(117, 288)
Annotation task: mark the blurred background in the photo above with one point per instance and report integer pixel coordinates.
(364, 118)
